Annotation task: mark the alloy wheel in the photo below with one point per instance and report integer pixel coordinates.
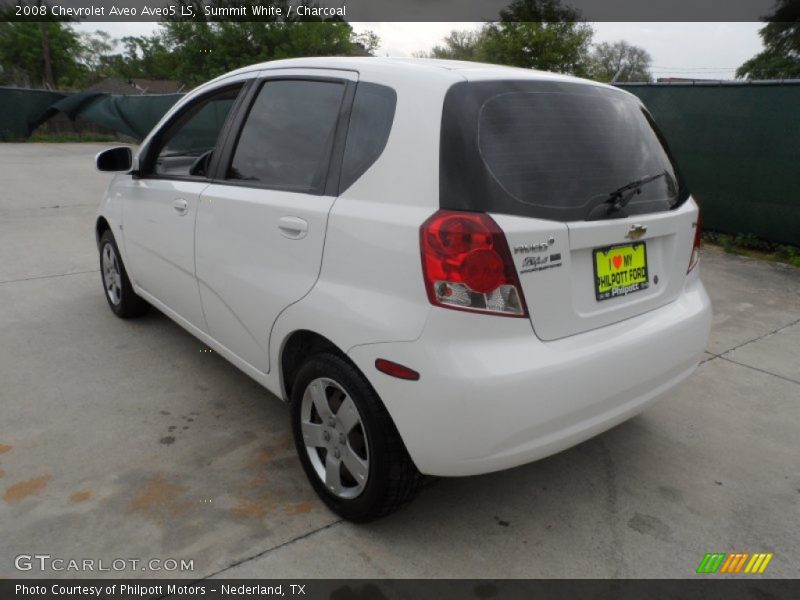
(335, 438)
(112, 278)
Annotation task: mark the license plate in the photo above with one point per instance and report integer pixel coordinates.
(620, 270)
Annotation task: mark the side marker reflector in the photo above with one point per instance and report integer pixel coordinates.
(395, 370)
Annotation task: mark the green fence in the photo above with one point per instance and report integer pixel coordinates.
(738, 146)
(22, 111)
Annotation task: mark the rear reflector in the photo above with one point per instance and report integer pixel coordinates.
(395, 370)
(698, 234)
(467, 265)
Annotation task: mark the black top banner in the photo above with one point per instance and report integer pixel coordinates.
(399, 11)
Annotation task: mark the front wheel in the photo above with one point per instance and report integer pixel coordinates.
(121, 298)
(348, 445)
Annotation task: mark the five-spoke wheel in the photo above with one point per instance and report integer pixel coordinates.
(347, 442)
(122, 300)
(112, 279)
(334, 438)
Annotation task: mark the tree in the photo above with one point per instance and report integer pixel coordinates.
(366, 42)
(780, 58)
(620, 61)
(42, 54)
(204, 49)
(534, 34)
(145, 56)
(458, 45)
(96, 55)
(538, 34)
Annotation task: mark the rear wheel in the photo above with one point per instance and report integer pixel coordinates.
(347, 442)
(119, 293)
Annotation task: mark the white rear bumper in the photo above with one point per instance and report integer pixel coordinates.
(493, 396)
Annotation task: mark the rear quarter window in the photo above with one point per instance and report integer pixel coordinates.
(370, 124)
(551, 150)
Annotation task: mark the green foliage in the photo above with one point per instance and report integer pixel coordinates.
(201, 50)
(533, 34)
(458, 45)
(780, 58)
(538, 34)
(620, 60)
(561, 47)
(366, 43)
(50, 138)
(144, 56)
(748, 244)
(188, 51)
(39, 54)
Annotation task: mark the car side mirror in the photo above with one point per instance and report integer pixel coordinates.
(114, 159)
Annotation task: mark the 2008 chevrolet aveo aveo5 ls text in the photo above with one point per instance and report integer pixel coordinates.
(445, 268)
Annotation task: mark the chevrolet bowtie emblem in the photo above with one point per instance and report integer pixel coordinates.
(636, 231)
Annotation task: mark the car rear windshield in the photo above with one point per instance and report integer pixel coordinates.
(553, 150)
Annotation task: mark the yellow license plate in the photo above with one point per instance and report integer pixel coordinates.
(620, 270)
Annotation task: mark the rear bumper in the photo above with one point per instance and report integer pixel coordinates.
(493, 396)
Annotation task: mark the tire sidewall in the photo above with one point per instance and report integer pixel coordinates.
(127, 295)
(360, 508)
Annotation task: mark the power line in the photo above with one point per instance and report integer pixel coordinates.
(661, 67)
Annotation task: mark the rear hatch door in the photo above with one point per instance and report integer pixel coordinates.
(597, 217)
(579, 276)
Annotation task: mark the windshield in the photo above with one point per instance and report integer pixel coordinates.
(551, 150)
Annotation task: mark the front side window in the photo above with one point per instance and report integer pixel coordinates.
(186, 146)
(288, 135)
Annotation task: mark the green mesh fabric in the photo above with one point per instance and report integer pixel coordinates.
(21, 111)
(738, 147)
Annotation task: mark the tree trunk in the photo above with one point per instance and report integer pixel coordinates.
(48, 60)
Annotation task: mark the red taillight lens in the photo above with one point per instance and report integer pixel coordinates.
(467, 264)
(698, 233)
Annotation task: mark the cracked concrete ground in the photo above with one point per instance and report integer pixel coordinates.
(121, 439)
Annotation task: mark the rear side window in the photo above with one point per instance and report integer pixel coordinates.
(551, 150)
(370, 124)
(287, 137)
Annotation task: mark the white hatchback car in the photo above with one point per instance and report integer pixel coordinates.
(446, 268)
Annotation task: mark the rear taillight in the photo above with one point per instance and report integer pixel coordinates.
(698, 232)
(467, 265)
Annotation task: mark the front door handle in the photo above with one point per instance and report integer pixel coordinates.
(293, 228)
(181, 206)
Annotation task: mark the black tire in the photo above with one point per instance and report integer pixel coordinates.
(129, 305)
(392, 477)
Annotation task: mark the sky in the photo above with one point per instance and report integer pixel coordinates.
(692, 50)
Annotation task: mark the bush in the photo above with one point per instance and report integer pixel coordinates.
(71, 137)
(749, 244)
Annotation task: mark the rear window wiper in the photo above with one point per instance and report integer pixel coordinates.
(620, 197)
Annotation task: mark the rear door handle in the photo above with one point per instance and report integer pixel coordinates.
(293, 228)
(181, 206)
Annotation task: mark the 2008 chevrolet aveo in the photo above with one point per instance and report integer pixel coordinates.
(445, 268)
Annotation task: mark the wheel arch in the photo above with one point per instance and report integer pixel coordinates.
(296, 348)
(100, 227)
